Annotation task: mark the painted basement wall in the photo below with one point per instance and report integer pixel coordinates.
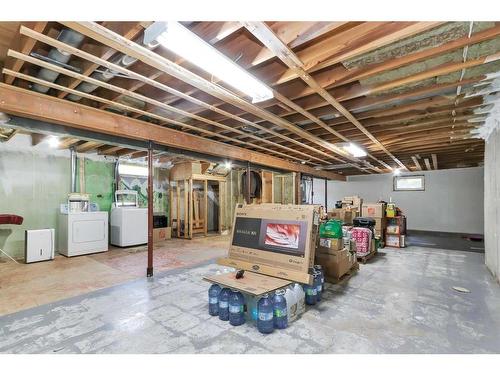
(452, 200)
(34, 181)
(492, 203)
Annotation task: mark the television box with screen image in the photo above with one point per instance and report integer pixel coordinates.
(274, 237)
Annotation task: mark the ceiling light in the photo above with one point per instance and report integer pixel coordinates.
(354, 150)
(180, 40)
(53, 142)
(227, 164)
(397, 171)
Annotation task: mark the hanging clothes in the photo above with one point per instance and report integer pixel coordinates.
(255, 184)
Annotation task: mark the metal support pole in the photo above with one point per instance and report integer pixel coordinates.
(149, 271)
(326, 195)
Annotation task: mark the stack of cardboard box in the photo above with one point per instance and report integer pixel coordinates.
(343, 214)
(377, 212)
(334, 258)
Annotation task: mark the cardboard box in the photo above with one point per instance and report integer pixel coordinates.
(393, 240)
(393, 229)
(162, 234)
(352, 202)
(375, 210)
(274, 239)
(336, 266)
(333, 247)
(343, 214)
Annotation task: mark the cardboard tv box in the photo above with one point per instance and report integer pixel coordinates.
(275, 240)
(376, 210)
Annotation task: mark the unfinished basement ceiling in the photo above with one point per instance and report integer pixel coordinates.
(404, 83)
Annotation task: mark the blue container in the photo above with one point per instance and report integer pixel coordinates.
(311, 294)
(213, 299)
(236, 308)
(317, 284)
(224, 304)
(265, 315)
(280, 310)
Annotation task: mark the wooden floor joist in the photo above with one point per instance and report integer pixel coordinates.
(42, 107)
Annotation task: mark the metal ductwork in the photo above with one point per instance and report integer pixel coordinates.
(104, 76)
(73, 169)
(66, 36)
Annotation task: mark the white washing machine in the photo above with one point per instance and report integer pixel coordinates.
(129, 222)
(82, 233)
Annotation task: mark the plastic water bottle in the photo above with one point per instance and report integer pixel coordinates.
(224, 304)
(265, 314)
(213, 299)
(291, 304)
(317, 285)
(280, 316)
(311, 293)
(236, 308)
(300, 297)
(251, 312)
(320, 269)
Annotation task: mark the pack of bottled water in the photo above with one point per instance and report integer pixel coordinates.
(270, 311)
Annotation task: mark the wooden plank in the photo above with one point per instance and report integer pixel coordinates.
(24, 45)
(37, 138)
(101, 34)
(285, 54)
(178, 213)
(23, 102)
(251, 282)
(434, 161)
(427, 164)
(417, 164)
(75, 51)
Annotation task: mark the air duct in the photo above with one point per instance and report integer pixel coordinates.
(104, 76)
(66, 36)
(73, 170)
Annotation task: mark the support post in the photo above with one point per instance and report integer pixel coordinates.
(149, 271)
(326, 195)
(298, 191)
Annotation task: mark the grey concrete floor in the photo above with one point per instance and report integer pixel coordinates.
(400, 302)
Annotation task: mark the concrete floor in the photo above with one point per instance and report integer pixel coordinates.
(449, 241)
(400, 302)
(23, 286)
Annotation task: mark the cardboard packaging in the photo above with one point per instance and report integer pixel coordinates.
(336, 265)
(393, 229)
(376, 210)
(343, 214)
(330, 245)
(393, 240)
(162, 234)
(275, 240)
(352, 202)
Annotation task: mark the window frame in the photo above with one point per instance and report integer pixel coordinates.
(395, 179)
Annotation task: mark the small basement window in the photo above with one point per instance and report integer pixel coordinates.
(409, 183)
(132, 170)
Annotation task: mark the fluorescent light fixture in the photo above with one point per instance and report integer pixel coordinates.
(53, 142)
(354, 150)
(397, 171)
(183, 42)
(227, 164)
(132, 170)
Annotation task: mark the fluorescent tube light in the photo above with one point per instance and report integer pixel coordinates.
(132, 170)
(180, 40)
(354, 150)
